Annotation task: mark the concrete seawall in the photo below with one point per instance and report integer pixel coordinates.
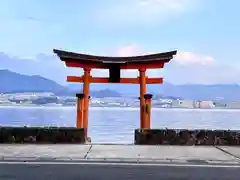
(97, 161)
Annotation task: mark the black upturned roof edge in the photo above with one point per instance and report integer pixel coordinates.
(65, 56)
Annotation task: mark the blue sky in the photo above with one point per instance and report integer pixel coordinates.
(205, 32)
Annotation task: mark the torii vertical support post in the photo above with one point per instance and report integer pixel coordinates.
(80, 106)
(86, 86)
(148, 103)
(143, 89)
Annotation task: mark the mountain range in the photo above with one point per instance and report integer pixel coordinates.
(15, 82)
(12, 82)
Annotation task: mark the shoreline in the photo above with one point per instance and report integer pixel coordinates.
(117, 108)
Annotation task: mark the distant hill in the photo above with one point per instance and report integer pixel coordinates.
(15, 82)
(101, 93)
(105, 93)
(11, 82)
(230, 92)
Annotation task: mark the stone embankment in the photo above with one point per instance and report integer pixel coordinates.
(62, 135)
(45, 135)
(187, 137)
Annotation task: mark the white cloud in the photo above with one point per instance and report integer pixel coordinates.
(124, 51)
(185, 67)
(142, 11)
(202, 74)
(128, 50)
(182, 58)
(190, 58)
(135, 50)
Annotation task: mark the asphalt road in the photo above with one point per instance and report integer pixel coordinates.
(46, 171)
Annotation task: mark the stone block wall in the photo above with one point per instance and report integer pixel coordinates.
(186, 137)
(44, 135)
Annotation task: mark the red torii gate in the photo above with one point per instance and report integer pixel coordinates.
(114, 64)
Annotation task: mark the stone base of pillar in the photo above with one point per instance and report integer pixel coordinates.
(41, 135)
(186, 137)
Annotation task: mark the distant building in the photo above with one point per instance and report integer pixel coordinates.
(46, 100)
(29, 95)
(206, 104)
(196, 104)
(233, 105)
(183, 103)
(4, 101)
(220, 104)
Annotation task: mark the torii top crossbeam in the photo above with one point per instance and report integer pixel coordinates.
(151, 61)
(114, 64)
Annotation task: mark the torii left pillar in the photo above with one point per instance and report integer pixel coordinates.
(86, 86)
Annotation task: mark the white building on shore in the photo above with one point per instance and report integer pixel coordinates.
(233, 105)
(183, 104)
(206, 104)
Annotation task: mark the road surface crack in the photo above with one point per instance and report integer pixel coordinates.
(89, 150)
(226, 152)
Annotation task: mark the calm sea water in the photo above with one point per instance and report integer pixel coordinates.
(117, 124)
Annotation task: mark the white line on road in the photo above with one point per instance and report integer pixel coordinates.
(119, 164)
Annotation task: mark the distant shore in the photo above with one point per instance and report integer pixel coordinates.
(115, 108)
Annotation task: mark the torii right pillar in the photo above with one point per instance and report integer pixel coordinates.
(143, 89)
(145, 102)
